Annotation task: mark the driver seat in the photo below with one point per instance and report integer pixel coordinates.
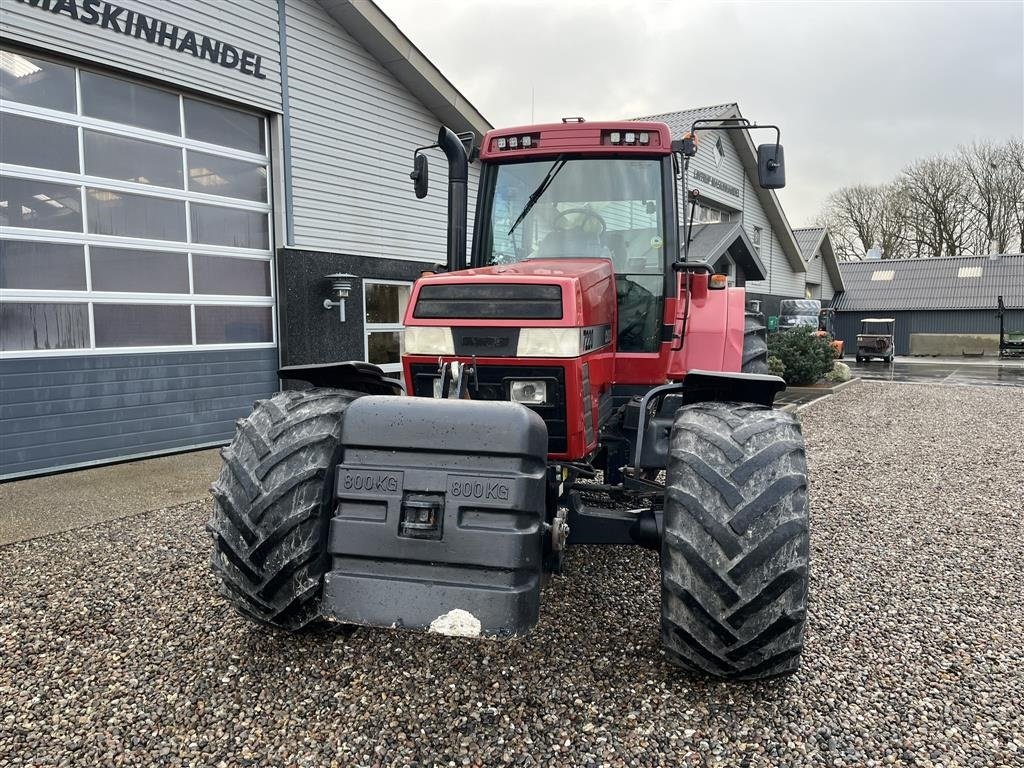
(570, 242)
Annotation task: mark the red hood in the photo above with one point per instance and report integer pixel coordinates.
(588, 272)
(588, 288)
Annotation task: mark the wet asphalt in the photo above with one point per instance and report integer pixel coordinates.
(1008, 373)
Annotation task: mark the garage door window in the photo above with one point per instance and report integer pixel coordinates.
(131, 217)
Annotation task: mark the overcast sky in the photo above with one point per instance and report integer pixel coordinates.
(859, 89)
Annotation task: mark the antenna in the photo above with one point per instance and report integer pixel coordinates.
(533, 103)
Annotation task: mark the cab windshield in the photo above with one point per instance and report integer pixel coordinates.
(587, 207)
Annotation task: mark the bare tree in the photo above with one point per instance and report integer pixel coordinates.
(939, 207)
(862, 216)
(990, 174)
(1013, 156)
(845, 242)
(971, 203)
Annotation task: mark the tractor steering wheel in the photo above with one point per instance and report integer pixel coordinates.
(585, 213)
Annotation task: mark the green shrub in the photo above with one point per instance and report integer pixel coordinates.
(840, 372)
(806, 357)
(775, 366)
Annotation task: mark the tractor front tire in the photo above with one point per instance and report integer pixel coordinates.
(735, 550)
(272, 506)
(755, 344)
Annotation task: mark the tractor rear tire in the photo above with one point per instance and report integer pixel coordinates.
(735, 551)
(272, 506)
(755, 344)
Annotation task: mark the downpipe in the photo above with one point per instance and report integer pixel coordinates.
(458, 199)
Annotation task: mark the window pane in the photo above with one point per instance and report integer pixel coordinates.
(384, 347)
(121, 101)
(214, 225)
(43, 326)
(127, 269)
(223, 125)
(386, 303)
(223, 176)
(40, 204)
(42, 266)
(38, 143)
(142, 325)
(38, 82)
(230, 277)
(119, 213)
(233, 325)
(144, 162)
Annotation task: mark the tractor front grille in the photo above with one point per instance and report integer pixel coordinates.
(489, 301)
(494, 382)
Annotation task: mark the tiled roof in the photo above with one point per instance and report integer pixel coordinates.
(808, 238)
(955, 282)
(680, 122)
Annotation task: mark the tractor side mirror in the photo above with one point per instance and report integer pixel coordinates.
(771, 166)
(420, 175)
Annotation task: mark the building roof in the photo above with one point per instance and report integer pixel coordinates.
(808, 238)
(814, 239)
(949, 282)
(709, 241)
(680, 121)
(372, 28)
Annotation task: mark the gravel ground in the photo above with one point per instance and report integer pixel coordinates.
(115, 651)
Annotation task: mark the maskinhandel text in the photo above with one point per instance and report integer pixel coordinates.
(152, 30)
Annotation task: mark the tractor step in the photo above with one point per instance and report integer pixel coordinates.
(439, 512)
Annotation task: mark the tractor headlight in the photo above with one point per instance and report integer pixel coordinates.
(529, 392)
(427, 340)
(549, 342)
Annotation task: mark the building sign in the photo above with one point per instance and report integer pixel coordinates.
(124, 21)
(716, 183)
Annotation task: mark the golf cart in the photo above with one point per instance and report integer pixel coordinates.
(877, 338)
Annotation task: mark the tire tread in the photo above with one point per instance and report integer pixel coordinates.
(271, 506)
(735, 550)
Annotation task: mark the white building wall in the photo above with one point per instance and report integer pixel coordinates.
(353, 131)
(817, 272)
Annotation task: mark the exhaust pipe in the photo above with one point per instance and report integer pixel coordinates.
(458, 200)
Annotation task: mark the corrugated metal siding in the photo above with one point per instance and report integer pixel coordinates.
(63, 411)
(354, 128)
(847, 324)
(251, 25)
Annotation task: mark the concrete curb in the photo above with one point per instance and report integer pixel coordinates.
(832, 391)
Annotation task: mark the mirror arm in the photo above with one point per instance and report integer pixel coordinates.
(736, 124)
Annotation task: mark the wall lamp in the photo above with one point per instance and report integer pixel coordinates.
(341, 286)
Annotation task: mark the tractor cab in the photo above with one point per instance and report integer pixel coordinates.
(597, 191)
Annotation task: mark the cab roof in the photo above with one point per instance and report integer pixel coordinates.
(548, 139)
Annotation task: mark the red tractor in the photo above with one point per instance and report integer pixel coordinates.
(581, 382)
